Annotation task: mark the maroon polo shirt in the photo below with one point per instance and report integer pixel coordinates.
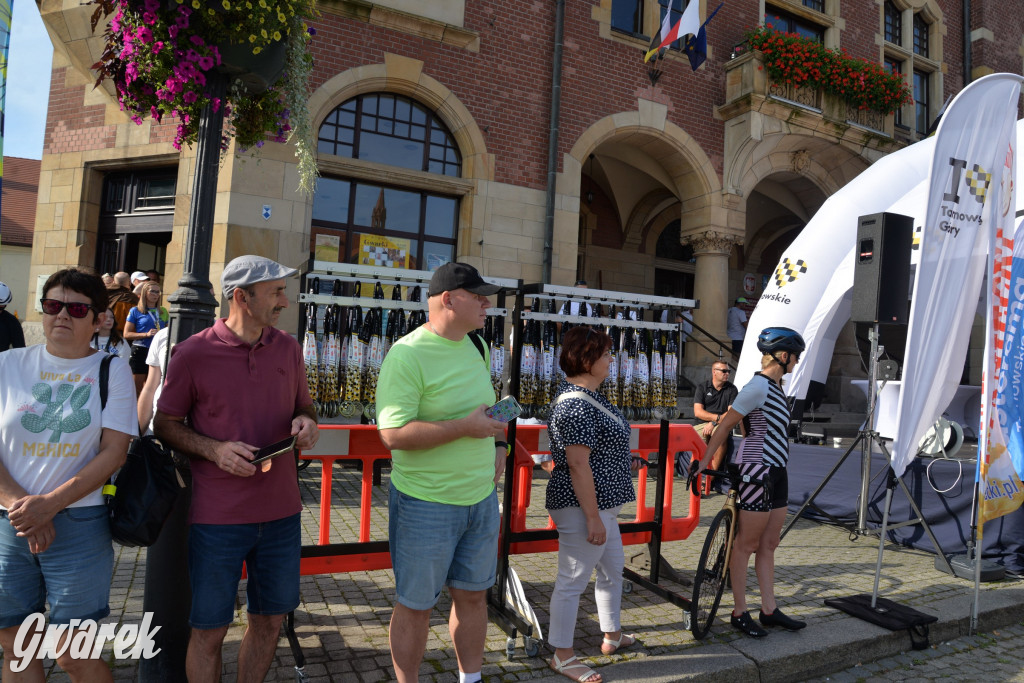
(230, 391)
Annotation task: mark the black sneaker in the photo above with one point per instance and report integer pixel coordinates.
(777, 618)
(744, 623)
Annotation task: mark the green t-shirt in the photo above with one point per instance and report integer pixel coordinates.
(427, 377)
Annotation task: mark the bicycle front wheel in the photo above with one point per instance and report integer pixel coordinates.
(709, 581)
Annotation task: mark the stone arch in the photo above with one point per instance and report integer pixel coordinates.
(404, 76)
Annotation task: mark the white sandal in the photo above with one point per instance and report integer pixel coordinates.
(616, 645)
(573, 663)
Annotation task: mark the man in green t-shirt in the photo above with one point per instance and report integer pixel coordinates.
(433, 391)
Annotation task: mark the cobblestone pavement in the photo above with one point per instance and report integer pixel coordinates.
(342, 620)
(993, 656)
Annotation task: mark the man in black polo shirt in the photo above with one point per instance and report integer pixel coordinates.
(710, 402)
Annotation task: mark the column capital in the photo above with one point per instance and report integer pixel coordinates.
(711, 241)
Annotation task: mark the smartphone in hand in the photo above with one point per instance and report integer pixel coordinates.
(505, 410)
(273, 450)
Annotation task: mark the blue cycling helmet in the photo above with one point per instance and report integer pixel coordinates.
(774, 339)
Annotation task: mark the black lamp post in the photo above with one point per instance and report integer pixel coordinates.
(168, 594)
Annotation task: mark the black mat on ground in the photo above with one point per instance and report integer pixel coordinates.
(948, 514)
(887, 614)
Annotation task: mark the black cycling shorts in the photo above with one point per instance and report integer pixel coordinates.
(771, 494)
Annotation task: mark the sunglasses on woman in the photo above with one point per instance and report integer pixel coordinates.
(76, 309)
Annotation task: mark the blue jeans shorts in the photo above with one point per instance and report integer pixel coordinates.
(270, 551)
(72, 575)
(435, 545)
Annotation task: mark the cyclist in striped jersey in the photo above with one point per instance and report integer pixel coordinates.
(763, 456)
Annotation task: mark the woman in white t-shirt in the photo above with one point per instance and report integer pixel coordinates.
(58, 445)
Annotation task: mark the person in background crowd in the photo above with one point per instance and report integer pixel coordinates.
(153, 276)
(712, 400)
(109, 340)
(138, 277)
(108, 281)
(231, 389)
(59, 444)
(144, 321)
(589, 484)
(763, 491)
(736, 325)
(121, 300)
(11, 334)
(432, 397)
(156, 359)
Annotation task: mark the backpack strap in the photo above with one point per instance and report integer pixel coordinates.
(104, 376)
(479, 344)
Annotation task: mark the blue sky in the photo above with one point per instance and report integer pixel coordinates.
(28, 83)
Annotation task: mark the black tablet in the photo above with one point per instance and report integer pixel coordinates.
(274, 450)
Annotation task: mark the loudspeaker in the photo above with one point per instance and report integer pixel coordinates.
(881, 273)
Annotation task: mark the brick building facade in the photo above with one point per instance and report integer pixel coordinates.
(678, 188)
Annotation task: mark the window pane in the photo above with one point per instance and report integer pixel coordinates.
(156, 193)
(818, 5)
(388, 150)
(387, 106)
(402, 209)
(920, 36)
(330, 203)
(626, 15)
(921, 101)
(370, 104)
(440, 218)
(436, 255)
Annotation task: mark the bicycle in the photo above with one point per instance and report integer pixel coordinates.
(713, 567)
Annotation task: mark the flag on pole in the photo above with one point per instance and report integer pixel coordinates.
(970, 148)
(696, 48)
(688, 24)
(1001, 449)
(666, 26)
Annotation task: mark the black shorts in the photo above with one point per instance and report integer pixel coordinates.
(137, 361)
(771, 495)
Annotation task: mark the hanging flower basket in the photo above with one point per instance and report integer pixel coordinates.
(159, 54)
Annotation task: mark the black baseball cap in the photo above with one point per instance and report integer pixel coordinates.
(454, 275)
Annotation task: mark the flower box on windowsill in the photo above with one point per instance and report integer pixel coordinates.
(746, 80)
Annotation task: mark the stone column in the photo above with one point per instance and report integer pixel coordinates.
(711, 248)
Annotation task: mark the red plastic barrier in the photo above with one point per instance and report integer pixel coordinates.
(362, 443)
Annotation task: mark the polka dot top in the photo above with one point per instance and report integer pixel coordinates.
(575, 421)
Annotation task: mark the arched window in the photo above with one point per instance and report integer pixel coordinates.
(366, 221)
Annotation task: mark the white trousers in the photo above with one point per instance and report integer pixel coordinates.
(577, 560)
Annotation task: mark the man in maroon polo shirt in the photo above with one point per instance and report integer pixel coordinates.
(241, 385)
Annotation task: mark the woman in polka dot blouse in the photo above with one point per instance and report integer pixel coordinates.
(589, 484)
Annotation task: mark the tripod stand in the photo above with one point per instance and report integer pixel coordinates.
(865, 439)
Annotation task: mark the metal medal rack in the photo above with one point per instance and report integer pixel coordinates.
(328, 284)
(520, 619)
(867, 438)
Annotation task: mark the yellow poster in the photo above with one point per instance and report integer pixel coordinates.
(327, 248)
(385, 252)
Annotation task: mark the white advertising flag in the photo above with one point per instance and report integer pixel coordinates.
(970, 148)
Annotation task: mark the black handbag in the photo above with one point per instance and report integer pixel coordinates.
(143, 492)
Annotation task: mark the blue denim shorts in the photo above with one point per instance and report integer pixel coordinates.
(270, 551)
(72, 575)
(435, 545)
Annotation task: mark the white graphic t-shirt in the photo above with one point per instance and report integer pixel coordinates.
(50, 418)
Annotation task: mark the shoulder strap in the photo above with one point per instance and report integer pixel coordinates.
(104, 376)
(589, 399)
(479, 344)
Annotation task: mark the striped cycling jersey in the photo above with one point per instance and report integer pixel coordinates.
(766, 411)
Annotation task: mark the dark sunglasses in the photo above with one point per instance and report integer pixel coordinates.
(726, 371)
(75, 309)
